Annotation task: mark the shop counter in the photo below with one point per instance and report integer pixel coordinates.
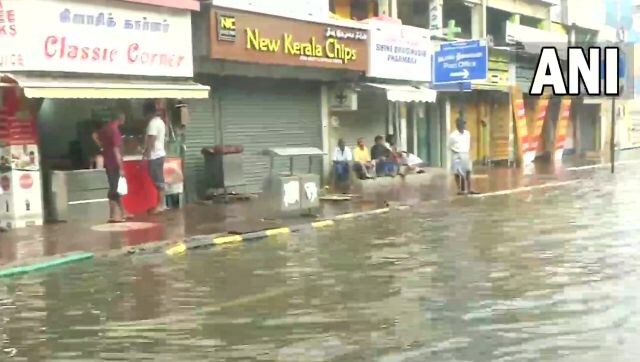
(78, 195)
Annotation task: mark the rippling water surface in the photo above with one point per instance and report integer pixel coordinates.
(547, 275)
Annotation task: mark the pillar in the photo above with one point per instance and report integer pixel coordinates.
(435, 17)
(483, 15)
(447, 131)
(477, 22)
(324, 115)
(388, 8)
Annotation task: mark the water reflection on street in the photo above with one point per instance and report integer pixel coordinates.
(547, 275)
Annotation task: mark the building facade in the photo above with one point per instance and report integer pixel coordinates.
(69, 67)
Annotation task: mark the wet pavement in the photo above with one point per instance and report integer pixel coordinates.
(543, 275)
(24, 245)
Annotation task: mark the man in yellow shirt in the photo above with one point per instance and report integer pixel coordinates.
(362, 164)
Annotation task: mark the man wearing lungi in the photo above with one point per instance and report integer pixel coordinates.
(460, 145)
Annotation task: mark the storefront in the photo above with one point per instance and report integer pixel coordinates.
(487, 111)
(271, 75)
(68, 68)
(537, 138)
(394, 99)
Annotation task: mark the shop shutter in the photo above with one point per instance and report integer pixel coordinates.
(260, 113)
(634, 127)
(525, 69)
(200, 132)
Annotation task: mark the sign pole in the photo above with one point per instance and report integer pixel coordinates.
(612, 145)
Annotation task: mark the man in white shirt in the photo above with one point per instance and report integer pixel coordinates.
(460, 145)
(342, 158)
(410, 163)
(155, 152)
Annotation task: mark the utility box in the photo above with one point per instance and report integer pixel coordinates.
(223, 165)
(309, 188)
(292, 193)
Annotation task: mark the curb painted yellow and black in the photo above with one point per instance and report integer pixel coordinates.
(202, 241)
(182, 247)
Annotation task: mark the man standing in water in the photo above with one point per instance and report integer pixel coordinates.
(154, 151)
(460, 145)
(109, 139)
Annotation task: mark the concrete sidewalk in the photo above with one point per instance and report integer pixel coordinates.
(239, 217)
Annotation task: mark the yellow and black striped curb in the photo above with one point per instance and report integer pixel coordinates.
(202, 241)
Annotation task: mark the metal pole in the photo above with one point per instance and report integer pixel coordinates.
(612, 145)
(613, 100)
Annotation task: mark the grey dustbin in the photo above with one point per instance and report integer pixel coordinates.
(292, 193)
(223, 166)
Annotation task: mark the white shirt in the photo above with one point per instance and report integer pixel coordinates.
(157, 128)
(412, 159)
(340, 156)
(460, 142)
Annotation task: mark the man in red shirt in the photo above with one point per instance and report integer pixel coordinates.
(110, 140)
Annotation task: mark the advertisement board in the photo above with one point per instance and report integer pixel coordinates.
(399, 52)
(266, 39)
(94, 36)
(520, 117)
(562, 128)
(20, 199)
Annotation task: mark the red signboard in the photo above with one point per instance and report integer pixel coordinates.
(541, 115)
(176, 4)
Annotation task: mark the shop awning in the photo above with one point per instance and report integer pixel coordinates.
(491, 87)
(120, 88)
(407, 93)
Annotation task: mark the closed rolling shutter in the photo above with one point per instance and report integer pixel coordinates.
(261, 113)
(524, 76)
(199, 133)
(634, 127)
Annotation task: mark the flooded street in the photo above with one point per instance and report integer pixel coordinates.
(543, 275)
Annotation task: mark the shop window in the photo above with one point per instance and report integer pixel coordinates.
(414, 13)
(460, 13)
(497, 25)
(363, 9)
(354, 9)
(530, 21)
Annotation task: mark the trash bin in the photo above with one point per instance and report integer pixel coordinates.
(292, 193)
(223, 166)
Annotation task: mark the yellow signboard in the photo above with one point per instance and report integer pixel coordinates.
(561, 127)
(540, 116)
(519, 115)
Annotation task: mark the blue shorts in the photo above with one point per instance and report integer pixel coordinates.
(156, 172)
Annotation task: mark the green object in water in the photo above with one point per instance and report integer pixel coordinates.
(6, 273)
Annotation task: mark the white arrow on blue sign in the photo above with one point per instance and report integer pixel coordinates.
(463, 61)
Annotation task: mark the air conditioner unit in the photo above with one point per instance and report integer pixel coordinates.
(343, 98)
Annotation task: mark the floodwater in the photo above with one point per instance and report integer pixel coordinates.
(546, 275)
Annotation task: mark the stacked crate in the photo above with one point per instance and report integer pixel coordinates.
(20, 181)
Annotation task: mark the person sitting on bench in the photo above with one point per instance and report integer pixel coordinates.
(382, 156)
(362, 164)
(410, 163)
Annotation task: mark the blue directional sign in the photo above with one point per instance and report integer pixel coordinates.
(460, 62)
(622, 67)
(461, 44)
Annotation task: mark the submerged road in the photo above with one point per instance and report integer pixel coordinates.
(545, 274)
